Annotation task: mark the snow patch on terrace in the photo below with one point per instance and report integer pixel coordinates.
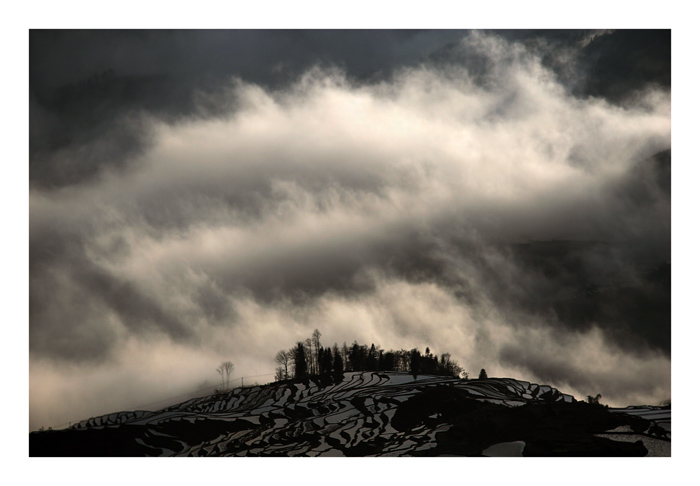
(506, 449)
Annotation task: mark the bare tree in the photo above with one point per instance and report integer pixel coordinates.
(220, 370)
(284, 359)
(225, 369)
(309, 356)
(345, 354)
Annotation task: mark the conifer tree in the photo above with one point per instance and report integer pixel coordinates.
(299, 361)
(319, 360)
(316, 342)
(372, 359)
(309, 355)
(415, 363)
(326, 362)
(355, 357)
(338, 368)
(389, 361)
(336, 352)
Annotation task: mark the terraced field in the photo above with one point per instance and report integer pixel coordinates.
(367, 414)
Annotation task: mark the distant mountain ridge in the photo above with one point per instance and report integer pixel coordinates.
(371, 414)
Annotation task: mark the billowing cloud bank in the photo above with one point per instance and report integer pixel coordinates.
(474, 203)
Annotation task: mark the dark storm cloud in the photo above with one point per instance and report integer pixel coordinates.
(138, 313)
(75, 307)
(62, 58)
(246, 192)
(214, 303)
(86, 86)
(586, 374)
(453, 190)
(628, 60)
(613, 63)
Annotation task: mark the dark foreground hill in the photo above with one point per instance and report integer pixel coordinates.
(372, 414)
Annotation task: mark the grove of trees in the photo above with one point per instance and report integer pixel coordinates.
(310, 358)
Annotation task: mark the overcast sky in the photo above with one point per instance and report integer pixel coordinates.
(199, 196)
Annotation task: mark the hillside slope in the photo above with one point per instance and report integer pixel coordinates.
(371, 414)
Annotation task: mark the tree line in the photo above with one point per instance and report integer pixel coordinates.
(310, 358)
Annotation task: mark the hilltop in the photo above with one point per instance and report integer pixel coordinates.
(372, 414)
